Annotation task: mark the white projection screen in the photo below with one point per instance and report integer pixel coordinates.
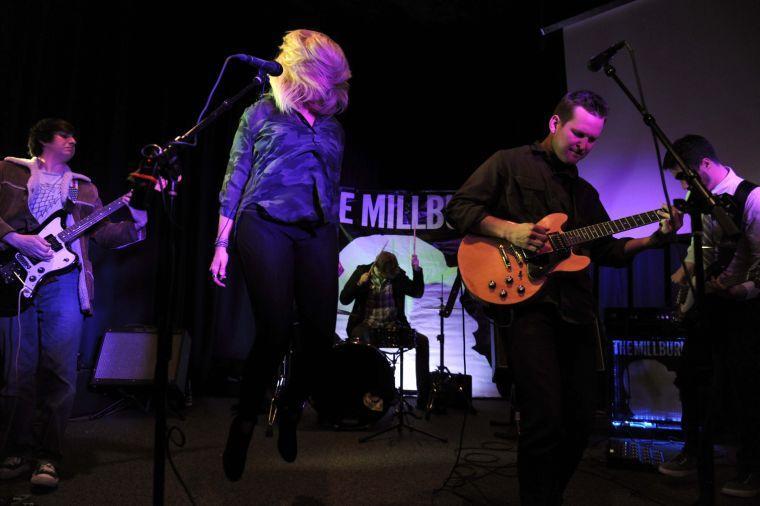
(699, 62)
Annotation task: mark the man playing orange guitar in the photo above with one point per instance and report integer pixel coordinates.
(552, 337)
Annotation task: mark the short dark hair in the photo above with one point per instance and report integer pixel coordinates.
(693, 149)
(44, 131)
(587, 99)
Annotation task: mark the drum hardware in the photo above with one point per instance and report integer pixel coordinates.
(392, 337)
(443, 381)
(357, 387)
(279, 386)
(403, 408)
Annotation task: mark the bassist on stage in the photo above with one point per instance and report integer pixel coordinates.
(39, 346)
(722, 352)
(552, 339)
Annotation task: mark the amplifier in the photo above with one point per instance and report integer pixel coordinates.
(127, 357)
(646, 346)
(639, 454)
(456, 389)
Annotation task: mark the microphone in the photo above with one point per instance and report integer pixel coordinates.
(270, 67)
(600, 60)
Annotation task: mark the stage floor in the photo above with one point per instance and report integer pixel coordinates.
(109, 461)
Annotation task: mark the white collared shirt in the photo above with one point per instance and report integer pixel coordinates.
(747, 248)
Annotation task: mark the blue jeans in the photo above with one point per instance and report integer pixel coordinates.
(40, 370)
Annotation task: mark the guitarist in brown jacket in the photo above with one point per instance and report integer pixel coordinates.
(552, 340)
(39, 346)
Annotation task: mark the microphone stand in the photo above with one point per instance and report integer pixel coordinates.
(704, 203)
(442, 374)
(162, 161)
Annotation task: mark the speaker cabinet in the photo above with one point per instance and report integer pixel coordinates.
(646, 346)
(127, 357)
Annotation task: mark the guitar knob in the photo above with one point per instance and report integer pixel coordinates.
(521, 290)
(40, 269)
(66, 259)
(519, 275)
(503, 294)
(492, 284)
(32, 278)
(509, 280)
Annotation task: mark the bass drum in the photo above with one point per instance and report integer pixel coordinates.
(356, 387)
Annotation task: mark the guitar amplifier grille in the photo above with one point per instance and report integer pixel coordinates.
(646, 350)
(128, 357)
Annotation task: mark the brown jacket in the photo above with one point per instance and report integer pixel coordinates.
(16, 182)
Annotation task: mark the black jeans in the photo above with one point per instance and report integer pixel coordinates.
(721, 362)
(553, 363)
(281, 264)
(422, 359)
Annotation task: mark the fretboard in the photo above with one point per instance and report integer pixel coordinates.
(85, 224)
(592, 232)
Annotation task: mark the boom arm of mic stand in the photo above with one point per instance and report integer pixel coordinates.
(711, 205)
(259, 81)
(446, 310)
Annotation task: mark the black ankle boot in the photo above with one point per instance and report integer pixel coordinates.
(236, 450)
(287, 441)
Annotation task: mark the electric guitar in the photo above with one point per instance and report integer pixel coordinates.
(499, 272)
(685, 299)
(20, 275)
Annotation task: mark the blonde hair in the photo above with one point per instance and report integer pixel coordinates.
(315, 74)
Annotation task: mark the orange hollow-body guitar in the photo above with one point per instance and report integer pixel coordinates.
(498, 272)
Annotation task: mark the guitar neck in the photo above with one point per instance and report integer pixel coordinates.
(592, 232)
(90, 221)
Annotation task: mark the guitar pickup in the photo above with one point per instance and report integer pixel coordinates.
(558, 241)
(55, 245)
(505, 258)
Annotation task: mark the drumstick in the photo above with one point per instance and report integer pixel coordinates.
(383, 249)
(414, 241)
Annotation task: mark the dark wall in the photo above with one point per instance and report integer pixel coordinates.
(437, 87)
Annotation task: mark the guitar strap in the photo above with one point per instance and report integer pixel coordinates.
(740, 199)
(74, 191)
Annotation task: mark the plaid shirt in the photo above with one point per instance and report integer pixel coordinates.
(381, 308)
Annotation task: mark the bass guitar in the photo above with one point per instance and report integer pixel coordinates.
(499, 272)
(685, 310)
(20, 275)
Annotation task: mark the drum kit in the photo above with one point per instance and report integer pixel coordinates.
(358, 388)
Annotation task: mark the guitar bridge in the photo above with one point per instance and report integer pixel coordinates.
(518, 254)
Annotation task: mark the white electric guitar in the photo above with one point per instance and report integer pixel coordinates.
(20, 275)
(685, 298)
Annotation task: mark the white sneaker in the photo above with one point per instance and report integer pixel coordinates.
(680, 466)
(45, 475)
(747, 485)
